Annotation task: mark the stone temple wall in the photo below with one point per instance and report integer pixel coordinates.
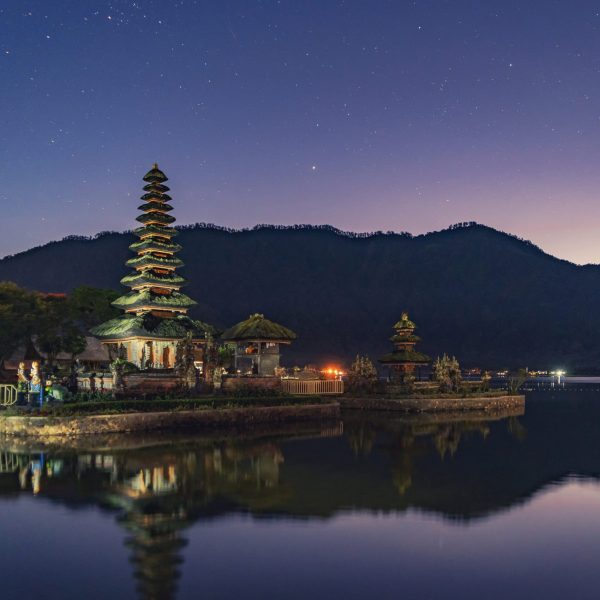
(100, 382)
(231, 384)
(167, 382)
(134, 383)
(147, 383)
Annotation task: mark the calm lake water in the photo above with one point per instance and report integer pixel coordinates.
(380, 507)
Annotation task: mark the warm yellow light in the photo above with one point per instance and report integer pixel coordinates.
(332, 371)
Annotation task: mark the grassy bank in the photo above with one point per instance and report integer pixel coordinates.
(115, 407)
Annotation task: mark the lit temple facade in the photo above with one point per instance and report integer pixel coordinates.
(155, 316)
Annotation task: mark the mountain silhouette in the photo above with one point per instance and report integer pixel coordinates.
(487, 297)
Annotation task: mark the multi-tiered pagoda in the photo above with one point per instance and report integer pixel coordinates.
(155, 318)
(404, 359)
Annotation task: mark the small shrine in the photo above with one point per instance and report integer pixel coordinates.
(403, 361)
(257, 345)
(155, 316)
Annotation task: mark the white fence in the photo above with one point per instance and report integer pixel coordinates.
(8, 394)
(9, 462)
(313, 387)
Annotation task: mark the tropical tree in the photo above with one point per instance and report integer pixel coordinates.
(58, 322)
(226, 356)
(19, 313)
(56, 330)
(517, 380)
(90, 306)
(362, 376)
(446, 371)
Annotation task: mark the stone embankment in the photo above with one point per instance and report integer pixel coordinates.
(143, 440)
(435, 405)
(242, 418)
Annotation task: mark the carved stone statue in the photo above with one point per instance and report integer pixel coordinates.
(184, 361)
(218, 378)
(117, 368)
(211, 363)
(35, 377)
(35, 382)
(73, 380)
(22, 381)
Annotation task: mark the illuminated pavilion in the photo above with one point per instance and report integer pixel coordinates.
(257, 344)
(155, 310)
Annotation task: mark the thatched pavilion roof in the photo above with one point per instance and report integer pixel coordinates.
(257, 328)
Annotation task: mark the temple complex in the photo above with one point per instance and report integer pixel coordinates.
(257, 341)
(404, 359)
(155, 310)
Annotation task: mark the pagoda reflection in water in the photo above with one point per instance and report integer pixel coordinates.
(160, 489)
(156, 492)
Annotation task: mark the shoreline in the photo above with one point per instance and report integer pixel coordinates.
(150, 441)
(246, 418)
(392, 421)
(243, 418)
(434, 405)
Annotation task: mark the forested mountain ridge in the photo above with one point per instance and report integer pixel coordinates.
(487, 297)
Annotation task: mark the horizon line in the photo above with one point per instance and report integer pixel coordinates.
(307, 226)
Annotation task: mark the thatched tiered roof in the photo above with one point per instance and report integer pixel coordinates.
(149, 300)
(149, 326)
(155, 307)
(404, 345)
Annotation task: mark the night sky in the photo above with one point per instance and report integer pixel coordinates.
(367, 115)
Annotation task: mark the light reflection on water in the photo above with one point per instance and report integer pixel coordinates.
(381, 506)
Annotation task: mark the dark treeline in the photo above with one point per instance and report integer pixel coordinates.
(300, 227)
(58, 322)
(487, 297)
